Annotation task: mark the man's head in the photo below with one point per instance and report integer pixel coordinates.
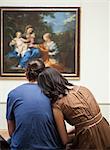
(33, 69)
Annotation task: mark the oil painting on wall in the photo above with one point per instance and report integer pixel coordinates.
(51, 34)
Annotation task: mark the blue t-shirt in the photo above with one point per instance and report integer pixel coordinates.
(35, 126)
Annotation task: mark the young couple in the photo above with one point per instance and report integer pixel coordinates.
(36, 112)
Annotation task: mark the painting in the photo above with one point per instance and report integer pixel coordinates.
(49, 33)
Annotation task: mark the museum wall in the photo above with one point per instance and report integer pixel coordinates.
(94, 49)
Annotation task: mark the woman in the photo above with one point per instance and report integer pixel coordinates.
(78, 107)
(50, 52)
(30, 119)
(32, 51)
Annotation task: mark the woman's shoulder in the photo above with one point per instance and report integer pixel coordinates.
(84, 88)
(79, 87)
(73, 88)
(56, 105)
(85, 91)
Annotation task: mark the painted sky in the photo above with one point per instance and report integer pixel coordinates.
(60, 21)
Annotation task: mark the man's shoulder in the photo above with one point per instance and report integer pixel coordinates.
(16, 89)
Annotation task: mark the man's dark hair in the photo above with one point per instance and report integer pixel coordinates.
(34, 67)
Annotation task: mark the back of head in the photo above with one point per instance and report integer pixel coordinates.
(53, 83)
(34, 67)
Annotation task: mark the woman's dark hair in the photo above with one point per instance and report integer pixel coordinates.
(34, 67)
(53, 84)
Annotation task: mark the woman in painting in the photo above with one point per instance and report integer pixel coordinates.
(50, 52)
(77, 105)
(33, 51)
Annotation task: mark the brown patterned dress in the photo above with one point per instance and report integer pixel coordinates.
(80, 109)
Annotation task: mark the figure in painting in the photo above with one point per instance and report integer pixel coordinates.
(33, 50)
(24, 47)
(50, 52)
(52, 48)
(20, 46)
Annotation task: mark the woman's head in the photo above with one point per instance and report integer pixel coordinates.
(28, 29)
(34, 67)
(53, 83)
(47, 36)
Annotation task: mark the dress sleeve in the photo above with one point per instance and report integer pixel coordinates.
(9, 108)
